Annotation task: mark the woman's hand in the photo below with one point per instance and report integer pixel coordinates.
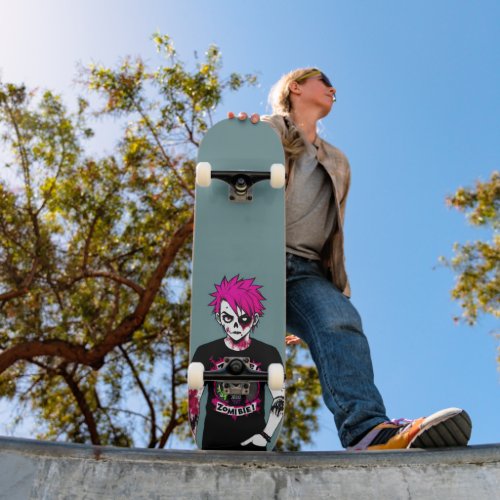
(255, 118)
(292, 340)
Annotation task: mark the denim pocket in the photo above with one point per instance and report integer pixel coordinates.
(299, 267)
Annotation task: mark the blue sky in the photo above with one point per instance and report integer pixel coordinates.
(418, 115)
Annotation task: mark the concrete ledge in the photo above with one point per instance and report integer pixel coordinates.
(36, 469)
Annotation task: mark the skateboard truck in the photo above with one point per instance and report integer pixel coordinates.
(240, 182)
(236, 375)
(236, 366)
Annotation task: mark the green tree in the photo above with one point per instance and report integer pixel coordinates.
(95, 255)
(477, 264)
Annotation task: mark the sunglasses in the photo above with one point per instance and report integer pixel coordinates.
(316, 72)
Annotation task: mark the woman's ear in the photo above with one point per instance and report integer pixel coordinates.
(294, 87)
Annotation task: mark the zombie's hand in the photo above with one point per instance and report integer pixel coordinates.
(256, 440)
(243, 116)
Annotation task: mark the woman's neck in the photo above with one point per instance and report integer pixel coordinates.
(307, 123)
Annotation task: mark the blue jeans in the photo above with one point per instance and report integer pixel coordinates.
(325, 319)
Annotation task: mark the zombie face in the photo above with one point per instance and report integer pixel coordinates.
(237, 324)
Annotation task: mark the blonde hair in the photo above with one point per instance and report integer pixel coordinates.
(281, 104)
(279, 96)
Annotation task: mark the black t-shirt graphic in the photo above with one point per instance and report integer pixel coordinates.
(223, 427)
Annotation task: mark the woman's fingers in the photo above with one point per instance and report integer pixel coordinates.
(254, 118)
(292, 340)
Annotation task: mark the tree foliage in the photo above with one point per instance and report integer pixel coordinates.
(95, 254)
(477, 264)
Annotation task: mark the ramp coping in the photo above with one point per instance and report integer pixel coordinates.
(477, 454)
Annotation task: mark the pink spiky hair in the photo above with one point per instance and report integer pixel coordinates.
(240, 293)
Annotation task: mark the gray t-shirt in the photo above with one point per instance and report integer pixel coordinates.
(310, 207)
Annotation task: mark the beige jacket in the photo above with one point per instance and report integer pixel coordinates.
(337, 166)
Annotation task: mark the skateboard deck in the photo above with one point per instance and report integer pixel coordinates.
(238, 290)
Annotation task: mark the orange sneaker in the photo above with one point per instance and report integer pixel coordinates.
(450, 427)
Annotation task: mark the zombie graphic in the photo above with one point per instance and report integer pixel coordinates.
(237, 306)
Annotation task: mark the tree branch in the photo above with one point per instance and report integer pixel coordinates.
(122, 333)
(152, 412)
(173, 421)
(24, 288)
(89, 238)
(160, 146)
(53, 184)
(82, 404)
(98, 213)
(114, 277)
(7, 235)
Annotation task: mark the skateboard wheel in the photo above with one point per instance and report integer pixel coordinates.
(277, 175)
(195, 375)
(275, 376)
(203, 174)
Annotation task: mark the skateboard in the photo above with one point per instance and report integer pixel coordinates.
(237, 336)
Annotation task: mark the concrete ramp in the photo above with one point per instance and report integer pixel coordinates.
(34, 469)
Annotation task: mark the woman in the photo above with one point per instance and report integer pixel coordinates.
(319, 310)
